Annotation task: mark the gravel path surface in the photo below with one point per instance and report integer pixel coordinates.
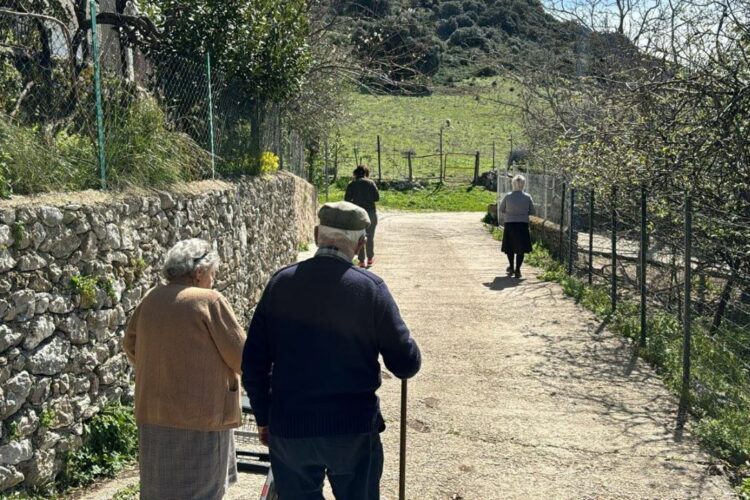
(522, 393)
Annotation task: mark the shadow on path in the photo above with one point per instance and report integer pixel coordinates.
(503, 282)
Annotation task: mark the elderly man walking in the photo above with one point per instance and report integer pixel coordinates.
(310, 365)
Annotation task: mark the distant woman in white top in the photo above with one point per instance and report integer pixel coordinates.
(516, 208)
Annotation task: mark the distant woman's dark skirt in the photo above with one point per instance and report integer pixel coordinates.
(516, 238)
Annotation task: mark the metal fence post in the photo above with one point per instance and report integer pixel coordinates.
(98, 95)
(546, 196)
(380, 172)
(282, 141)
(591, 237)
(644, 250)
(325, 166)
(686, 317)
(562, 223)
(571, 235)
(211, 115)
(614, 248)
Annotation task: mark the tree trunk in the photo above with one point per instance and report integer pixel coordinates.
(726, 294)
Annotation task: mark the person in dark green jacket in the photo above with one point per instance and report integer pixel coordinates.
(364, 192)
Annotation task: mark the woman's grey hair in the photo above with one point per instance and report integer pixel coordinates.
(518, 182)
(187, 256)
(339, 237)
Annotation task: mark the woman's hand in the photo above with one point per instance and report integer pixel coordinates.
(263, 434)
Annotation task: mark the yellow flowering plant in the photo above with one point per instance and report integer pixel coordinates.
(269, 162)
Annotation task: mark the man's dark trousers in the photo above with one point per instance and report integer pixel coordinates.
(370, 231)
(352, 462)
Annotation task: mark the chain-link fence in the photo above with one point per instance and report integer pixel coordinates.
(96, 112)
(677, 276)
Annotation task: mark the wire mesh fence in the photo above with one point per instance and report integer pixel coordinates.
(77, 114)
(679, 279)
(394, 159)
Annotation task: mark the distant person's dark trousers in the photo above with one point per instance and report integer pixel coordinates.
(370, 247)
(352, 462)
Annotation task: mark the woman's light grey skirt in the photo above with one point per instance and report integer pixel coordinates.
(180, 464)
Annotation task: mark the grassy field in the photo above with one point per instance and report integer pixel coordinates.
(477, 117)
(436, 197)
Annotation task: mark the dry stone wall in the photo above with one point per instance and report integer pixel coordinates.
(72, 269)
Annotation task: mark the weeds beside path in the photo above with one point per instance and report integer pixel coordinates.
(522, 394)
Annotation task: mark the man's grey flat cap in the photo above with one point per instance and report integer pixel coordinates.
(344, 215)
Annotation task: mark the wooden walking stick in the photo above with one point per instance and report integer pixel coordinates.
(402, 457)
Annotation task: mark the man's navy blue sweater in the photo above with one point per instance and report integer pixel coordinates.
(310, 365)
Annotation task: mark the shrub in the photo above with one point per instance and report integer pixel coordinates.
(31, 161)
(86, 287)
(269, 162)
(450, 9)
(468, 37)
(47, 418)
(5, 187)
(486, 71)
(141, 150)
(472, 6)
(446, 27)
(110, 441)
(463, 21)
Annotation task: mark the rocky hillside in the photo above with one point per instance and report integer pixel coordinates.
(427, 42)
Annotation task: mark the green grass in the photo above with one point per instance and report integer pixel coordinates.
(129, 493)
(477, 119)
(720, 389)
(140, 150)
(433, 198)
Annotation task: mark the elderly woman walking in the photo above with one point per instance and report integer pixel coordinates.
(516, 208)
(186, 346)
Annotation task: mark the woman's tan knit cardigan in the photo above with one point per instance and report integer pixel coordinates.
(186, 346)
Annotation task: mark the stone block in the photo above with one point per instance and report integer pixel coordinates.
(9, 477)
(15, 452)
(7, 262)
(9, 337)
(40, 329)
(49, 359)
(16, 391)
(51, 216)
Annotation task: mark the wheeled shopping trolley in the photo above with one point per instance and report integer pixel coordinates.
(252, 455)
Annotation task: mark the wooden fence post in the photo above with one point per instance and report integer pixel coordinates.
(476, 167)
(408, 159)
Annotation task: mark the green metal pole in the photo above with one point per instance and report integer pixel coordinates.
(571, 234)
(98, 94)
(561, 245)
(211, 116)
(325, 164)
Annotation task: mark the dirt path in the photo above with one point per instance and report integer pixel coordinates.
(522, 394)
